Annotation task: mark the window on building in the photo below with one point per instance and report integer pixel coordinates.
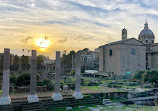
(133, 51)
(146, 41)
(110, 52)
(152, 41)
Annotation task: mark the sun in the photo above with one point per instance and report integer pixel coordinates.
(43, 42)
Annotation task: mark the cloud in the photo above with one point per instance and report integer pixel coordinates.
(25, 40)
(90, 22)
(62, 40)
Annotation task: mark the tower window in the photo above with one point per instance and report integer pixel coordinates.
(133, 51)
(110, 52)
(146, 41)
(152, 41)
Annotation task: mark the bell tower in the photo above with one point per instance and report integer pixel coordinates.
(124, 34)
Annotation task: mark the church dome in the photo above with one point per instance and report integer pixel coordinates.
(146, 32)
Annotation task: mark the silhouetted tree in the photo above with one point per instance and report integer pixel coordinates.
(40, 63)
(66, 62)
(25, 62)
(15, 65)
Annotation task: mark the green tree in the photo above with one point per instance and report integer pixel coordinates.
(66, 62)
(40, 62)
(138, 75)
(151, 76)
(15, 65)
(25, 62)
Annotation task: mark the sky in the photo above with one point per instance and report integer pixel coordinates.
(72, 24)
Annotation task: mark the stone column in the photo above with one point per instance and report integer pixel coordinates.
(57, 96)
(33, 74)
(72, 61)
(78, 94)
(5, 99)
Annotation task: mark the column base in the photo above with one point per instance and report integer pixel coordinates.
(78, 95)
(57, 97)
(5, 100)
(32, 98)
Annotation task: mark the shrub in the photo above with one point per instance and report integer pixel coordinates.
(70, 80)
(71, 73)
(71, 86)
(13, 79)
(45, 82)
(92, 84)
(23, 79)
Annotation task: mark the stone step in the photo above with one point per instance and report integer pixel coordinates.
(50, 104)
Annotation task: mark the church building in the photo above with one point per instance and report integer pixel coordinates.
(128, 56)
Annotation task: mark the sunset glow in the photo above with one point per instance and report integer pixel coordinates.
(43, 42)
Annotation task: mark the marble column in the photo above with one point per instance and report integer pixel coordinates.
(78, 94)
(57, 96)
(5, 99)
(72, 61)
(33, 74)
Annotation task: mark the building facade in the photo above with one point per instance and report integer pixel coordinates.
(128, 56)
(90, 59)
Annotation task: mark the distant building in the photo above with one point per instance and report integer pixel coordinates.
(90, 59)
(49, 64)
(129, 55)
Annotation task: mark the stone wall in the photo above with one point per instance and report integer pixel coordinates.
(132, 63)
(27, 89)
(154, 60)
(112, 62)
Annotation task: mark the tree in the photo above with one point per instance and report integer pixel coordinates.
(150, 76)
(15, 65)
(25, 62)
(40, 62)
(138, 75)
(66, 62)
(85, 49)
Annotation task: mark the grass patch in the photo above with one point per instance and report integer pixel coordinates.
(98, 89)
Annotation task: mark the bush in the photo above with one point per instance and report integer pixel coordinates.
(45, 82)
(70, 80)
(13, 79)
(23, 79)
(92, 84)
(138, 75)
(71, 73)
(71, 86)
